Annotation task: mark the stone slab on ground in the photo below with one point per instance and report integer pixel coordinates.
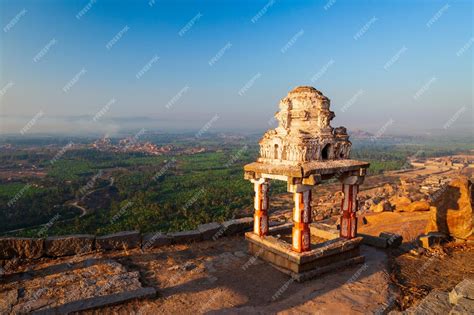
(58, 246)
(463, 306)
(436, 302)
(185, 237)
(119, 241)
(99, 301)
(235, 226)
(209, 230)
(19, 247)
(393, 240)
(153, 240)
(464, 289)
(379, 242)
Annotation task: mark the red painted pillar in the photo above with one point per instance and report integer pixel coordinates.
(301, 237)
(349, 208)
(260, 226)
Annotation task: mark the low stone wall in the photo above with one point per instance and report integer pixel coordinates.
(69, 245)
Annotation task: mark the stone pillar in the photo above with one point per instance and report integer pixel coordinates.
(260, 224)
(349, 208)
(301, 237)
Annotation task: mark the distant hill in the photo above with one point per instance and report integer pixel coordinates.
(360, 134)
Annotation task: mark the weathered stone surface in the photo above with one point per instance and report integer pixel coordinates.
(185, 237)
(418, 206)
(463, 306)
(393, 240)
(436, 302)
(209, 230)
(119, 241)
(464, 289)
(235, 226)
(7, 300)
(431, 239)
(99, 301)
(31, 248)
(153, 240)
(452, 212)
(58, 246)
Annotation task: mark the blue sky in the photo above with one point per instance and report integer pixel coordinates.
(406, 63)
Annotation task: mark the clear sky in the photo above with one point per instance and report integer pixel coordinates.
(98, 65)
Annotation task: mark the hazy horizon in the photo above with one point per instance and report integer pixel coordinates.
(97, 67)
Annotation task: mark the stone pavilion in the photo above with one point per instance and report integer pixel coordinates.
(304, 150)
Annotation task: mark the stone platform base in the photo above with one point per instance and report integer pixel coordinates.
(323, 257)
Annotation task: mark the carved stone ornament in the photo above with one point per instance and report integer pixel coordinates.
(304, 132)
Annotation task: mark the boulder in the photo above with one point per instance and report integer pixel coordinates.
(18, 247)
(382, 206)
(418, 206)
(209, 230)
(400, 203)
(452, 211)
(58, 246)
(119, 241)
(185, 237)
(153, 240)
(235, 226)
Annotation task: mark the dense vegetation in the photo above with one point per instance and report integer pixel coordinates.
(126, 191)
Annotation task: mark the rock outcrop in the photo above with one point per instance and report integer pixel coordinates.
(452, 212)
(30, 248)
(58, 246)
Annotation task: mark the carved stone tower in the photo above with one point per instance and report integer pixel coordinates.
(304, 132)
